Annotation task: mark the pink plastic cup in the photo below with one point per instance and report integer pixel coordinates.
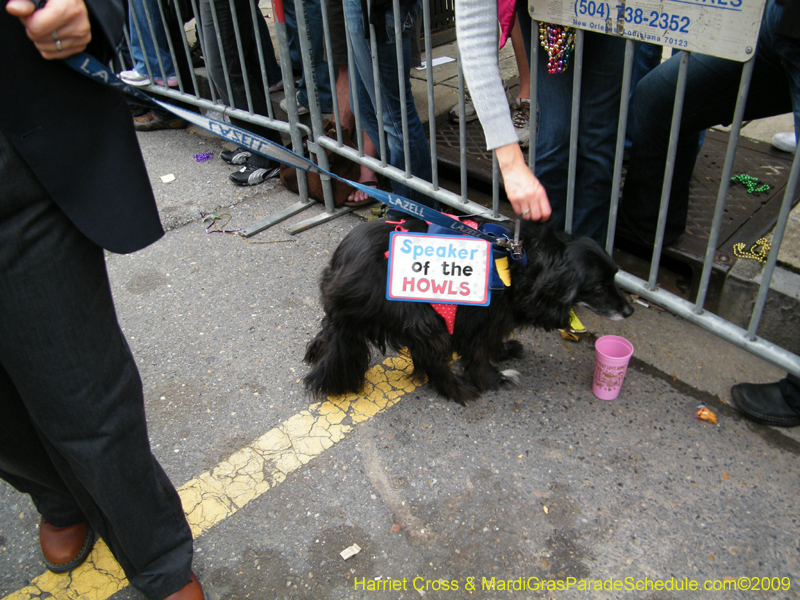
(612, 354)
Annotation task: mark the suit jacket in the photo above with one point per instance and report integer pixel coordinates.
(77, 135)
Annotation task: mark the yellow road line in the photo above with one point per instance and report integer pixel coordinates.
(243, 476)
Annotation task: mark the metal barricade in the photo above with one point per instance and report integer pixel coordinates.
(151, 13)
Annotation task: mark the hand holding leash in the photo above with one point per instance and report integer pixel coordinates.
(526, 194)
(58, 29)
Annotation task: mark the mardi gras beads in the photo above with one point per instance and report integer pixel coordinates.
(558, 41)
(751, 183)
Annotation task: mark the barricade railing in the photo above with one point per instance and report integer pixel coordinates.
(174, 14)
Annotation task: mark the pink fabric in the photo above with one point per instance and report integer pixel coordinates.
(506, 13)
(448, 313)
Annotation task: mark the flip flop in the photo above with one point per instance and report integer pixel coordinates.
(369, 200)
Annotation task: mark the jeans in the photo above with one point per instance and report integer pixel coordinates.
(712, 87)
(646, 57)
(230, 56)
(144, 49)
(73, 433)
(420, 153)
(314, 24)
(601, 88)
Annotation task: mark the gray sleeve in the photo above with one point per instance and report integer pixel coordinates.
(477, 32)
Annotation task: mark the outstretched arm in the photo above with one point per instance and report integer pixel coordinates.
(476, 29)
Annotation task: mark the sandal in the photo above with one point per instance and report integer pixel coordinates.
(365, 202)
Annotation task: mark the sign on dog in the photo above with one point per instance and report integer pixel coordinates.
(449, 269)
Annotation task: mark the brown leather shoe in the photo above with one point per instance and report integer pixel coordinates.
(191, 591)
(64, 548)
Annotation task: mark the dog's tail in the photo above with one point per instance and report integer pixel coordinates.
(339, 361)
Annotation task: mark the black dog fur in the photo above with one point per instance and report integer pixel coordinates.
(562, 271)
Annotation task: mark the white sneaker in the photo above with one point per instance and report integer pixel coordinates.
(134, 78)
(521, 117)
(785, 141)
(301, 110)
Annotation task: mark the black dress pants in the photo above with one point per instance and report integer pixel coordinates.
(72, 424)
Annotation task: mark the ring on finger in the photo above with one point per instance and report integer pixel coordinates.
(57, 41)
(526, 211)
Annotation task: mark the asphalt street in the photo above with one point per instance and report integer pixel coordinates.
(541, 487)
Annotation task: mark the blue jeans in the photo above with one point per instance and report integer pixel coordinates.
(314, 24)
(646, 57)
(420, 153)
(712, 87)
(601, 88)
(144, 46)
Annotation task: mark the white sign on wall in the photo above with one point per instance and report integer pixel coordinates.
(722, 28)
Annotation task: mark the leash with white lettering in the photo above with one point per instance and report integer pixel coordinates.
(90, 67)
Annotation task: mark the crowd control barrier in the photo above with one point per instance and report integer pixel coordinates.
(174, 25)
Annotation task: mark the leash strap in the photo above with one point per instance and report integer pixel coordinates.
(89, 66)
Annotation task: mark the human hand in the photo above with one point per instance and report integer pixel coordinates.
(527, 196)
(58, 30)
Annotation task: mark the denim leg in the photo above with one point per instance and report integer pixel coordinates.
(295, 55)
(711, 90)
(646, 57)
(599, 109)
(314, 23)
(601, 89)
(390, 98)
(776, 49)
(144, 47)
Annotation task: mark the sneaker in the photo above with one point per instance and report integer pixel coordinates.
(134, 78)
(238, 156)
(469, 110)
(301, 110)
(785, 141)
(249, 175)
(152, 122)
(521, 116)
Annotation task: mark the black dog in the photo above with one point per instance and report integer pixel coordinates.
(561, 271)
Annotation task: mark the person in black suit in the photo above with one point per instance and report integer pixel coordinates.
(72, 424)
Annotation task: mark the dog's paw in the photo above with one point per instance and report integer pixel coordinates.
(511, 376)
(463, 393)
(513, 349)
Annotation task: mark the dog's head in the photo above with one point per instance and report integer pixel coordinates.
(563, 271)
(596, 288)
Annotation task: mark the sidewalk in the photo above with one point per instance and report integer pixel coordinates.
(537, 482)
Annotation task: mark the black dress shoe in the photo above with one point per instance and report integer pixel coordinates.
(764, 403)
